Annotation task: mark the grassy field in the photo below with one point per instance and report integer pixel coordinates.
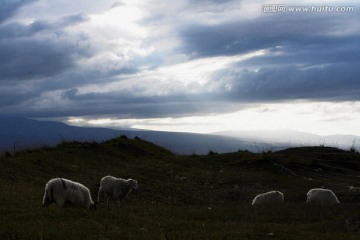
(180, 197)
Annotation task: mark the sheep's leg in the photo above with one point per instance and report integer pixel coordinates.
(101, 195)
(107, 200)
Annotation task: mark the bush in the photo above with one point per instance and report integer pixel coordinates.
(211, 152)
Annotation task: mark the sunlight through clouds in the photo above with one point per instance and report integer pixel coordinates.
(192, 76)
(317, 118)
(307, 117)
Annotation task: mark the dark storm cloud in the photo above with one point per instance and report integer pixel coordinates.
(313, 57)
(237, 37)
(27, 59)
(9, 7)
(73, 19)
(12, 96)
(345, 50)
(122, 105)
(39, 49)
(17, 30)
(334, 82)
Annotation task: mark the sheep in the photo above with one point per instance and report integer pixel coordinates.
(271, 197)
(117, 188)
(64, 192)
(353, 189)
(322, 196)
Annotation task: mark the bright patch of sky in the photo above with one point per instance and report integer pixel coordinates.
(317, 118)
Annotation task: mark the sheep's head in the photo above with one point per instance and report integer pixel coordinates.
(93, 206)
(133, 183)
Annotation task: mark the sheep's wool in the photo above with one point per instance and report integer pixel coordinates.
(66, 192)
(322, 196)
(117, 188)
(269, 198)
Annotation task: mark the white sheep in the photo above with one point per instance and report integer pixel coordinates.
(353, 189)
(322, 196)
(271, 197)
(64, 192)
(117, 188)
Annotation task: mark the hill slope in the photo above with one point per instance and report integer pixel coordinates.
(22, 133)
(180, 197)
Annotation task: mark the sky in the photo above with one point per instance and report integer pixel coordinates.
(190, 65)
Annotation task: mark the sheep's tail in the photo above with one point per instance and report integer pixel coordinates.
(48, 196)
(63, 183)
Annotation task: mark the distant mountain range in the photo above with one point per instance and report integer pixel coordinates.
(295, 138)
(21, 133)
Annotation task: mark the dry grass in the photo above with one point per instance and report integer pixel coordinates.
(180, 197)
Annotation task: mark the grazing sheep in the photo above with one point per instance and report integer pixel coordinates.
(269, 198)
(65, 192)
(322, 196)
(117, 188)
(353, 189)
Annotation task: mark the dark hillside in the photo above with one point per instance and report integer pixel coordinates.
(180, 197)
(332, 166)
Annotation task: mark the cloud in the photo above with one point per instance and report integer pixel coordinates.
(122, 104)
(44, 57)
(335, 82)
(318, 53)
(239, 36)
(160, 59)
(308, 57)
(39, 49)
(27, 59)
(19, 30)
(9, 7)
